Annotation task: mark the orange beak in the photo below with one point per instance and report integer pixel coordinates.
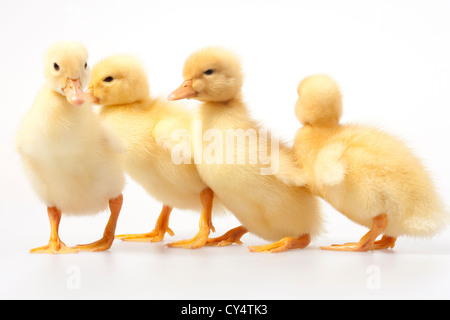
(73, 92)
(182, 92)
(90, 95)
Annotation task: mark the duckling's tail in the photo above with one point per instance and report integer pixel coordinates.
(430, 225)
(319, 101)
(425, 214)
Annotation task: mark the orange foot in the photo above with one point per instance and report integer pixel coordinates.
(368, 241)
(156, 235)
(284, 244)
(232, 236)
(198, 241)
(108, 235)
(161, 228)
(385, 242)
(54, 246)
(100, 245)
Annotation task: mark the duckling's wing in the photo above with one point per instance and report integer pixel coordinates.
(172, 131)
(330, 168)
(291, 175)
(289, 171)
(175, 139)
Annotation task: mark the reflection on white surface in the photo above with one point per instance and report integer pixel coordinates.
(414, 269)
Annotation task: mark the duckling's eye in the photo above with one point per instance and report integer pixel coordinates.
(108, 79)
(209, 72)
(85, 65)
(55, 65)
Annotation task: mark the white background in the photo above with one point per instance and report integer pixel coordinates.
(391, 59)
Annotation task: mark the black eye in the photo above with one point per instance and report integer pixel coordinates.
(108, 79)
(209, 72)
(55, 65)
(85, 65)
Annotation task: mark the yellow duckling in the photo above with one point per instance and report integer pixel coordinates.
(368, 175)
(73, 163)
(263, 203)
(145, 125)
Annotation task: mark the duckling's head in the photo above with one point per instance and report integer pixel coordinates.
(212, 74)
(118, 80)
(66, 70)
(319, 101)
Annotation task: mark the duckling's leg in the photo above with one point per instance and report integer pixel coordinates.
(161, 227)
(232, 236)
(199, 240)
(368, 241)
(283, 245)
(108, 235)
(55, 245)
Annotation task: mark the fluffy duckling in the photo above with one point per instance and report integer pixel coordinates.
(72, 161)
(145, 125)
(368, 175)
(262, 202)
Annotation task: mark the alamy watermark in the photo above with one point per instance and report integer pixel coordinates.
(229, 146)
(373, 281)
(73, 281)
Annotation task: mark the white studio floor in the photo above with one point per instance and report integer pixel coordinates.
(415, 269)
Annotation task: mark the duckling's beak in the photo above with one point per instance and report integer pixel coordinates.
(184, 91)
(73, 92)
(91, 96)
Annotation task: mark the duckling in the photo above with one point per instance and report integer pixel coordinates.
(71, 160)
(264, 204)
(368, 175)
(145, 124)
